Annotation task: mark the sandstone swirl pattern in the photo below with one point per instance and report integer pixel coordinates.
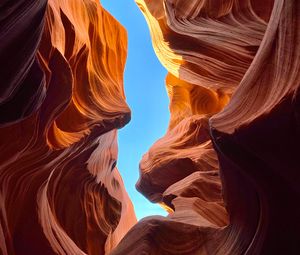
(227, 169)
(62, 101)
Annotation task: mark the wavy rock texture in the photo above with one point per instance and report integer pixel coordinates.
(227, 169)
(62, 101)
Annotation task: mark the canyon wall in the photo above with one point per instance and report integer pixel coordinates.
(62, 101)
(227, 169)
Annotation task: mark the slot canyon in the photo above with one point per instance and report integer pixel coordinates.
(226, 171)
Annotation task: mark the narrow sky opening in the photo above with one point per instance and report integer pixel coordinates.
(146, 96)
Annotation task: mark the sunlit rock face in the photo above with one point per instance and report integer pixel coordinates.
(227, 169)
(62, 101)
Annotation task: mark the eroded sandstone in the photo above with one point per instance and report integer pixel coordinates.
(62, 101)
(234, 64)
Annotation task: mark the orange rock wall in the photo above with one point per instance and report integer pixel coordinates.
(62, 101)
(227, 169)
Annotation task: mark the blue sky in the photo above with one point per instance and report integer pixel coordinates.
(146, 96)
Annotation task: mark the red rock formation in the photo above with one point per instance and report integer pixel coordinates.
(215, 50)
(62, 101)
(227, 169)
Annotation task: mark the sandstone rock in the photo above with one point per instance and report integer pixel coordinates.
(62, 101)
(242, 58)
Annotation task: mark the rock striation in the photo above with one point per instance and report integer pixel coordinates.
(227, 169)
(62, 101)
